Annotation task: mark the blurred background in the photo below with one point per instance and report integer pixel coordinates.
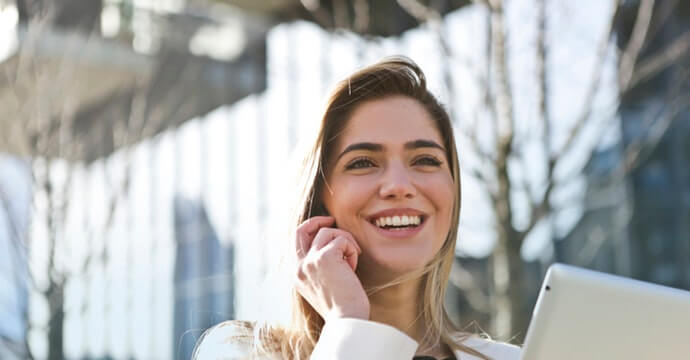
(148, 148)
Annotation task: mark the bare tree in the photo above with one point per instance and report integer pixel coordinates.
(508, 300)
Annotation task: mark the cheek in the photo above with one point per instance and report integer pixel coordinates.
(441, 191)
(348, 199)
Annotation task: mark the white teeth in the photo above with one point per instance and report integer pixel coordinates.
(404, 220)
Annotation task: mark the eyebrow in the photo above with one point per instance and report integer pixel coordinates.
(410, 145)
(423, 144)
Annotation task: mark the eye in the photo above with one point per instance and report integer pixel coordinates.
(427, 160)
(359, 163)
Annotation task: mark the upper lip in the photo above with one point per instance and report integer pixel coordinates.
(396, 212)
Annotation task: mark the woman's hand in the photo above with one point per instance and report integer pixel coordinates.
(326, 263)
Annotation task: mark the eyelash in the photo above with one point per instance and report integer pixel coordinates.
(430, 161)
(353, 164)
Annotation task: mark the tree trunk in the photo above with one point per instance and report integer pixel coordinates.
(506, 263)
(56, 322)
(510, 317)
(503, 259)
(54, 294)
(500, 277)
(516, 292)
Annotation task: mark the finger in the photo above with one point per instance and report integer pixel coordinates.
(325, 235)
(351, 253)
(343, 250)
(354, 242)
(352, 260)
(313, 224)
(305, 232)
(350, 238)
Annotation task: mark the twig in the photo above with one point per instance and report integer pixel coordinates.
(637, 40)
(591, 91)
(419, 11)
(664, 58)
(503, 97)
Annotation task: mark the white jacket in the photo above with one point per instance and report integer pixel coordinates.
(342, 339)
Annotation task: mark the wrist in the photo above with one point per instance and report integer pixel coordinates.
(361, 314)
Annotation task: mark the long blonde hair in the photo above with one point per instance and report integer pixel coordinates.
(397, 76)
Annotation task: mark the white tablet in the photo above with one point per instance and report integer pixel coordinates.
(583, 314)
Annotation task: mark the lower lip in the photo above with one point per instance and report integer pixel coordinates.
(400, 233)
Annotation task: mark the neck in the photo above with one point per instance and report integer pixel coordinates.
(400, 306)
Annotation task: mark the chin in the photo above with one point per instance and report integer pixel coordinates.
(391, 263)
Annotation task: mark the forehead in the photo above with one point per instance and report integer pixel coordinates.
(389, 121)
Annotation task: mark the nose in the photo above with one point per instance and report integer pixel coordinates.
(397, 183)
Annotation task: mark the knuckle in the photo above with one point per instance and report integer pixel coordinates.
(323, 231)
(331, 252)
(340, 241)
(300, 274)
(312, 266)
(302, 228)
(299, 234)
(320, 259)
(344, 235)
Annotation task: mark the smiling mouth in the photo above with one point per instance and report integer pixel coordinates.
(398, 222)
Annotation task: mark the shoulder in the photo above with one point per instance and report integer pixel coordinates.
(229, 340)
(493, 349)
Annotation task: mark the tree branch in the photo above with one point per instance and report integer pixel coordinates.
(637, 40)
(649, 67)
(638, 150)
(664, 58)
(538, 210)
(542, 89)
(483, 83)
(591, 90)
(419, 11)
(111, 206)
(503, 101)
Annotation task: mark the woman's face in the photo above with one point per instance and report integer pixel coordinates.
(389, 184)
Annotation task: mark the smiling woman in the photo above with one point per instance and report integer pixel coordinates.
(383, 176)
(376, 235)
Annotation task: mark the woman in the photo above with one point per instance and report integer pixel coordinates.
(376, 234)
